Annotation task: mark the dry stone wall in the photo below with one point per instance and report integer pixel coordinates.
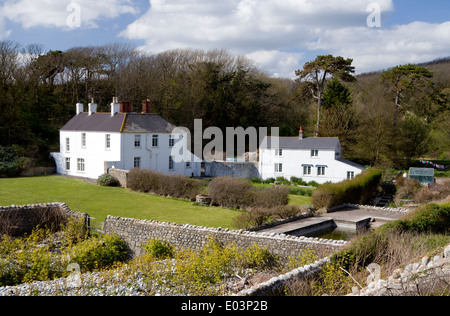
(137, 232)
(18, 220)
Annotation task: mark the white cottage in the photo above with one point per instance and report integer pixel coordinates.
(312, 159)
(92, 142)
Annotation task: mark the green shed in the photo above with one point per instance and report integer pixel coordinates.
(423, 175)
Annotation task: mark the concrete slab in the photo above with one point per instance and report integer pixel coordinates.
(355, 218)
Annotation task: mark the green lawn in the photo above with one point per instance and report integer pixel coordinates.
(99, 202)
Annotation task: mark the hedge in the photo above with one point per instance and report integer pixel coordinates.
(241, 194)
(177, 186)
(357, 191)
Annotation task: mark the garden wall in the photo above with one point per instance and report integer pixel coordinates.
(136, 232)
(18, 220)
(246, 170)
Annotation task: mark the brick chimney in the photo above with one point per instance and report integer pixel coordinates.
(125, 107)
(146, 106)
(300, 135)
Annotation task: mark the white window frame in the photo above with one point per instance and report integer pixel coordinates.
(108, 141)
(67, 145)
(81, 165)
(171, 163)
(279, 152)
(67, 163)
(137, 162)
(137, 141)
(321, 171)
(314, 153)
(350, 175)
(155, 140)
(307, 170)
(171, 140)
(83, 140)
(278, 168)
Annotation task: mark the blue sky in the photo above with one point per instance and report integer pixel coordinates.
(278, 35)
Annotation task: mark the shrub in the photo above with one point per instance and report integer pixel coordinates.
(177, 186)
(98, 253)
(259, 216)
(357, 191)
(10, 162)
(271, 197)
(158, 249)
(107, 180)
(231, 192)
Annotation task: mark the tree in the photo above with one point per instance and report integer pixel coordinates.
(405, 78)
(316, 72)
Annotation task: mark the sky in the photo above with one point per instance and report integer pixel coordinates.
(280, 36)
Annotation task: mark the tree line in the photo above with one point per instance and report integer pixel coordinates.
(382, 118)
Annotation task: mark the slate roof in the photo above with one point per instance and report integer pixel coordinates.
(97, 122)
(305, 143)
(119, 123)
(147, 123)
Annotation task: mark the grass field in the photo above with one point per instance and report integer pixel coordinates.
(99, 202)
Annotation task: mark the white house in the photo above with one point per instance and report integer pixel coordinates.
(92, 142)
(312, 159)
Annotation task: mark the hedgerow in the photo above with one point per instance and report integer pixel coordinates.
(356, 191)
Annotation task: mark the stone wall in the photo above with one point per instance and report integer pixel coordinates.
(121, 175)
(18, 220)
(246, 170)
(136, 232)
(416, 279)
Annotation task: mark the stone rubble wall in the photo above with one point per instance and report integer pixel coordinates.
(414, 279)
(137, 232)
(17, 220)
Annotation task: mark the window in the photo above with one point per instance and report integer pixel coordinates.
(67, 164)
(108, 141)
(80, 165)
(350, 175)
(171, 163)
(279, 152)
(155, 141)
(67, 144)
(307, 170)
(314, 153)
(171, 141)
(321, 171)
(137, 140)
(188, 164)
(278, 167)
(83, 140)
(137, 162)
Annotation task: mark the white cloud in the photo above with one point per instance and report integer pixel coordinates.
(54, 13)
(376, 49)
(264, 30)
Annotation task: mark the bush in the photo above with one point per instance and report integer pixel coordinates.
(357, 191)
(158, 249)
(107, 180)
(10, 162)
(271, 197)
(259, 216)
(240, 194)
(177, 186)
(231, 192)
(98, 253)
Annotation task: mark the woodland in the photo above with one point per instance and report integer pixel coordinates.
(384, 119)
